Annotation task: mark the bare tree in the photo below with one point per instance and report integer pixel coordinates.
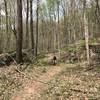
(19, 32)
(31, 26)
(58, 9)
(97, 12)
(0, 17)
(6, 12)
(86, 31)
(27, 29)
(37, 25)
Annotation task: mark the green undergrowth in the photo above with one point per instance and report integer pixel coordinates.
(77, 46)
(71, 49)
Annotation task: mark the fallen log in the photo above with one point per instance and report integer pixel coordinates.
(7, 58)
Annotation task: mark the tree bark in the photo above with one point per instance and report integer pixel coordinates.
(27, 30)
(31, 26)
(37, 25)
(6, 12)
(0, 18)
(19, 32)
(58, 28)
(86, 33)
(97, 11)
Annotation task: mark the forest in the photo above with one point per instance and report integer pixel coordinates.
(49, 49)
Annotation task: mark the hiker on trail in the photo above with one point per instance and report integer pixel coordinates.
(54, 60)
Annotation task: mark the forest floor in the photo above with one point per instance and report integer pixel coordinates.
(43, 81)
(31, 91)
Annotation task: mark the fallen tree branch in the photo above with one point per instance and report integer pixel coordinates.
(17, 70)
(77, 90)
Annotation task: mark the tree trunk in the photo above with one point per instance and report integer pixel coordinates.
(58, 29)
(7, 27)
(0, 18)
(98, 11)
(27, 31)
(86, 33)
(86, 38)
(19, 32)
(37, 24)
(31, 26)
(6, 12)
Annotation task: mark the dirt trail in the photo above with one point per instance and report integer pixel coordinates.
(31, 91)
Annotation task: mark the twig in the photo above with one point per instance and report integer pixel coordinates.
(27, 76)
(22, 72)
(76, 90)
